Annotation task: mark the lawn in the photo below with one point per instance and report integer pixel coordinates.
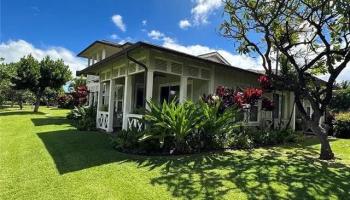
(43, 157)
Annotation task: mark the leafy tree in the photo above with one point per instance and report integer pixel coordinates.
(37, 76)
(7, 71)
(314, 38)
(76, 82)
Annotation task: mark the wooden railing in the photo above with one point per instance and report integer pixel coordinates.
(134, 121)
(102, 120)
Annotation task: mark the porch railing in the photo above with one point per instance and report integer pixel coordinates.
(102, 120)
(134, 121)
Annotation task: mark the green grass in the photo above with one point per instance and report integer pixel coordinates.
(43, 157)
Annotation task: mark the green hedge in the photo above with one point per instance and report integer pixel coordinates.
(342, 125)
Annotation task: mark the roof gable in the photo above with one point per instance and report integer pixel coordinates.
(216, 57)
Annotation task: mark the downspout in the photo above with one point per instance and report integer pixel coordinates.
(145, 74)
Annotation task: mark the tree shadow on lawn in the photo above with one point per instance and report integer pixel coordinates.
(267, 174)
(10, 113)
(51, 121)
(74, 150)
(270, 175)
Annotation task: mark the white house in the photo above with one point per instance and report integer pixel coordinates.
(122, 77)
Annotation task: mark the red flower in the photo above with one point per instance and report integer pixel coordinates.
(265, 82)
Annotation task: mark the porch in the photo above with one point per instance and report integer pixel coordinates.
(122, 96)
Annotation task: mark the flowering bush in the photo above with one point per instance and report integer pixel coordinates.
(251, 95)
(80, 95)
(265, 82)
(65, 101)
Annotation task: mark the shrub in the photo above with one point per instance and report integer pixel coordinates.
(342, 125)
(172, 120)
(216, 125)
(84, 117)
(65, 101)
(249, 137)
(127, 139)
(341, 100)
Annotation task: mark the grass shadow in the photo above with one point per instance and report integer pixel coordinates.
(10, 113)
(74, 150)
(51, 121)
(268, 175)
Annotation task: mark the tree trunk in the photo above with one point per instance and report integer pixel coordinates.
(20, 103)
(326, 151)
(37, 103)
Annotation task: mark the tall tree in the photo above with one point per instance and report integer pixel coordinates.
(37, 76)
(313, 36)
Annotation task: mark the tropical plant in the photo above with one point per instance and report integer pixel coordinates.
(176, 121)
(216, 126)
(127, 140)
(84, 117)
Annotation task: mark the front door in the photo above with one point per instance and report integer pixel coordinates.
(118, 105)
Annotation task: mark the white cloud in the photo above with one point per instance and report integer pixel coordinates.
(184, 24)
(236, 60)
(345, 74)
(203, 8)
(114, 36)
(156, 35)
(14, 50)
(118, 21)
(144, 22)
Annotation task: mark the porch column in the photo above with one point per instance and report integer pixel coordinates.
(89, 61)
(99, 101)
(183, 89)
(211, 84)
(90, 94)
(292, 121)
(110, 106)
(127, 100)
(103, 54)
(97, 57)
(149, 86)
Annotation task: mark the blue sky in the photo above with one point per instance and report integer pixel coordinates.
(63, 28)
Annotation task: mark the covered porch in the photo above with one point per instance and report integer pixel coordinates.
(124, 91)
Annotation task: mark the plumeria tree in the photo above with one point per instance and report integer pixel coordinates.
(311, 36)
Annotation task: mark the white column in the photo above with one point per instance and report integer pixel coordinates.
(103, 54)
(127, 100)
(110, 106)
(211, 84)
(149, 86)
(97, 57)
(183, 89)
(90, 98)
(99, 101)
(89, 61)
(293, 109)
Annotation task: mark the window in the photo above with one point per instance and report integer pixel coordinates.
(104, 93)
(169, 93)
(139, 96)
(276, 110)
(253, 113)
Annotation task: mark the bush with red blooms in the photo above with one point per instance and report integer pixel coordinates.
(265, 82)
(80, 95)
(267, 104)
(65, 101)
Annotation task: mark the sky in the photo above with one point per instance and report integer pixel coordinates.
(63, 28)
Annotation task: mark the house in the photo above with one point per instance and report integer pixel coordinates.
(122, 76)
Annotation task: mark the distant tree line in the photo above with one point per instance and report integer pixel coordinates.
(32, 81)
